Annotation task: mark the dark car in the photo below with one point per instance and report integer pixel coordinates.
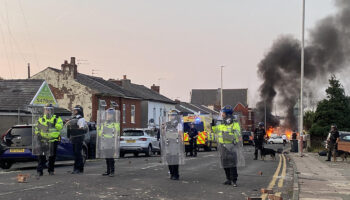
(16, 146)
(247, 137)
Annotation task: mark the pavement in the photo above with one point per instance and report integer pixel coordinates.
(147, 178)
(321, 180)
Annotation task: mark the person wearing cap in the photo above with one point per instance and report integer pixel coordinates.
(332, 141)
(48, 130)
(76, 134)
(193, 135)
(259, 135)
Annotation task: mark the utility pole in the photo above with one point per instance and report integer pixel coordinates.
(302, 82)
(28, 70)
(265, 114)
(221, 90)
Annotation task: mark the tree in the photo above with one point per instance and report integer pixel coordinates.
(309, 118)
(335, 109)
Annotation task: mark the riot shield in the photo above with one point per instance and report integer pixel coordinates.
(76, 133)
(172, 146)
(41, 145)
(231, 154)
(108, 134)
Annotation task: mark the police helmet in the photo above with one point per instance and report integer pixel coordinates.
(79, 109)
(227, 110)
(261, 124)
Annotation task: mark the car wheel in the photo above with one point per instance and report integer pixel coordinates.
(85, 154)
(136, 154)
(149, 151)
(6, 164)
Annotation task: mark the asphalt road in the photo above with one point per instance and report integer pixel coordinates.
(147, 178)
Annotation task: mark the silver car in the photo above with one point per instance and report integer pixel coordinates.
(139, 141)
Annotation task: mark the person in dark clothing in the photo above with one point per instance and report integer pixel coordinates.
(294, 135)
(332, 142)
(259, 135)
(193, 135)
(76, 131)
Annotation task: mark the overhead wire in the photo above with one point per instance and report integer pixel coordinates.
(29, 35)
(10, 66)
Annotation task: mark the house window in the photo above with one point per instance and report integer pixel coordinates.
(114, 104)
(160, 112)
(124, 113)
(250, 115)
(133, 114)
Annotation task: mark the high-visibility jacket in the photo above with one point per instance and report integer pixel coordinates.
(106, 134)
(49, 128)
(228, 133)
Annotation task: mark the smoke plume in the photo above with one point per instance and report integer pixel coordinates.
(326, 51)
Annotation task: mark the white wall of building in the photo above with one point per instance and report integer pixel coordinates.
(157, 110)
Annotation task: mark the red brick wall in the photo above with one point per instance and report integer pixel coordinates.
(120, 101)
(245, 122)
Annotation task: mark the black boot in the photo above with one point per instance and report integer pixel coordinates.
(228, 182)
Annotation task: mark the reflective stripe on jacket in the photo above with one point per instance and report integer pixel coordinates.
(115, 126)
(48, 129)
(228, 133)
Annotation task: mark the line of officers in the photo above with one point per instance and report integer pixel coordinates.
(47, 131)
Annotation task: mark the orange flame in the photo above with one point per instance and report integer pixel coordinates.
(270, 131)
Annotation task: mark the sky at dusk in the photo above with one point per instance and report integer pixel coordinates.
(178, 44)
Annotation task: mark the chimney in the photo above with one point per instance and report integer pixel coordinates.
(155, 88)
(125, 81)
(177, 101)
(118, 82)
(70, 69)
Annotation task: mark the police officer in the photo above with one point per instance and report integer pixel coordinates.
(259, 135)
(48, 131)
(228, 133)
(332, 141)
(108, 140)
(193, 135)
(172, 144)
(76, 133)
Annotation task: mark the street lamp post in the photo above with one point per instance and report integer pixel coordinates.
(221, 94)
(302, 82)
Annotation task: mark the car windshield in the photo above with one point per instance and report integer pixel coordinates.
(133, 133)
(246, 133)
(198, 126)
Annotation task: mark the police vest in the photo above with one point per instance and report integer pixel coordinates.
(48, 129)
(109, 130)
(228, 133)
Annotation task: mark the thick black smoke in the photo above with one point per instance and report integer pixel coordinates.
(326, 52)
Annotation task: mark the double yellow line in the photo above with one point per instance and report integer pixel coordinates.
(275, 176)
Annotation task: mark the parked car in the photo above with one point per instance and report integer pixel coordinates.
(275, 140)
(139, 141)
(247, 137)
(16, 146)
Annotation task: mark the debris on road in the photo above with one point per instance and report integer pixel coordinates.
(22, 178)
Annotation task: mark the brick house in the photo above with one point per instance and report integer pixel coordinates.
(72, 88)
(246, 116)
(153, 106)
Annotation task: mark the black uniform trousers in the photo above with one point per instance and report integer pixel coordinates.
(231, 174)
(332, 149)
(52, 158)
(174, 171)
(258, 146)
(193, 147)
(78, 157)
(110, 165)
